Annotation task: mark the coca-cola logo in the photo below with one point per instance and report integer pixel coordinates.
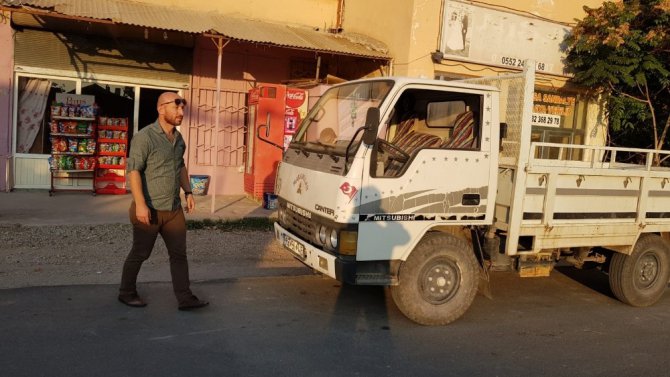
(295, 98)
(298, 96)
(254, 95)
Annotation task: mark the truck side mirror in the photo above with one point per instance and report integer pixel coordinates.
(371, 126)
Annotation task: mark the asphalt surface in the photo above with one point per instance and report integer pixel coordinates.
(312, 326)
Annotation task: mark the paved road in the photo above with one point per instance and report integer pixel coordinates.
(312, 326)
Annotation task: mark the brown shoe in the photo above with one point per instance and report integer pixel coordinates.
(193, 303)
(132, 300)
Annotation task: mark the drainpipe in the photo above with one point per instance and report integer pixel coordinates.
(340, 16)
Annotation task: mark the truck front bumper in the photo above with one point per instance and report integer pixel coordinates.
(317, 259)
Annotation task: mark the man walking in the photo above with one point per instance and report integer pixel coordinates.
(156, 171)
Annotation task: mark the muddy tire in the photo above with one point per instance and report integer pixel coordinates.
(640, 279)
(438, 282)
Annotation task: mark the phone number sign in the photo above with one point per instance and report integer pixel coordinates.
(545, 120)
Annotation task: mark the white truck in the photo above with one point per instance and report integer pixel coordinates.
(426, 185)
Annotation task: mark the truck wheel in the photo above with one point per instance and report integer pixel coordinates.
(640, 279)
(438, 282)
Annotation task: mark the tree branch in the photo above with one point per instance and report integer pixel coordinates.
(626, 94)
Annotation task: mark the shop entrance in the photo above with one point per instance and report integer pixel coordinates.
(36, 93)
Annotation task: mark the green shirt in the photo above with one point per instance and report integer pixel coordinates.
(159, 163)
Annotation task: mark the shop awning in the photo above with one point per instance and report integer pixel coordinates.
(201, 22)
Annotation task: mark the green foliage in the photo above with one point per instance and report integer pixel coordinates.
(623, 50)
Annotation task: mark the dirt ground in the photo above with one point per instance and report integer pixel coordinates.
(94, 254)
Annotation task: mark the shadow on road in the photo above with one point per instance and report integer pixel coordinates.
(591, 278)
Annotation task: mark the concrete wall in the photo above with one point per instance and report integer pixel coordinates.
(315, 13)
(556, 10)
(411, 28)
(6, 75)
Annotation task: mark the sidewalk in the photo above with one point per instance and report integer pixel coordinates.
(36, 207)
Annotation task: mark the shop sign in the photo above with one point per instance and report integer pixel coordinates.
(493, 37)
(550, 108)
(75, 99)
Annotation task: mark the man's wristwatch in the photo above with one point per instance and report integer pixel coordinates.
(187, 193)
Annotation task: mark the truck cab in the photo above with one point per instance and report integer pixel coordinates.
(354, 209)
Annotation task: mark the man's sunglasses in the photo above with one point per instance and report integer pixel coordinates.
(177, 101)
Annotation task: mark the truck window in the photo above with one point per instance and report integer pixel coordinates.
(443, 114)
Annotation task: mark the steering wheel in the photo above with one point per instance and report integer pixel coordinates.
(394, 152)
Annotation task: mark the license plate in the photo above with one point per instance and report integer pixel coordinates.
(294, 246)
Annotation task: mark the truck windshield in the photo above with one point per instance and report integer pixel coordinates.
(339, 113)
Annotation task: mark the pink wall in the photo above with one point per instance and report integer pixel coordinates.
(243, 65)
(6, 75)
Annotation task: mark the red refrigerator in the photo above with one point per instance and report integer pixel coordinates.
(275, 112)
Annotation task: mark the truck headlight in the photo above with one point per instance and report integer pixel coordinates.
(333, 238)
(323, 234)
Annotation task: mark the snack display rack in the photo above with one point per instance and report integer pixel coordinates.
(72, 135)
(110, 174)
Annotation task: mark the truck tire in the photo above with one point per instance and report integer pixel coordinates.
(640, 279)
(438, 282)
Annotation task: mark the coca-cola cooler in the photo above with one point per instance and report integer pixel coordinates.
(275, 112)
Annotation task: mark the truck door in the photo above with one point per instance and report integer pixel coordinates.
(431, 165)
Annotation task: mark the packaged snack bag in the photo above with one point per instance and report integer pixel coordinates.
(81, 146)
(82, 128)
(90, 145)
(72, 145)
(69, 162)
(58, 144)
(70, 127)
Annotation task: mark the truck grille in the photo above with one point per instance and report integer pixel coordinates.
(299, 225)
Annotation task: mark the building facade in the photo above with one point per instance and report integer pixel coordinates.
(127, 58)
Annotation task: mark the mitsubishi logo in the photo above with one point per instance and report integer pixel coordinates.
(301, 182)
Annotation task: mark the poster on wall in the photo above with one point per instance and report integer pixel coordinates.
(493, 37)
